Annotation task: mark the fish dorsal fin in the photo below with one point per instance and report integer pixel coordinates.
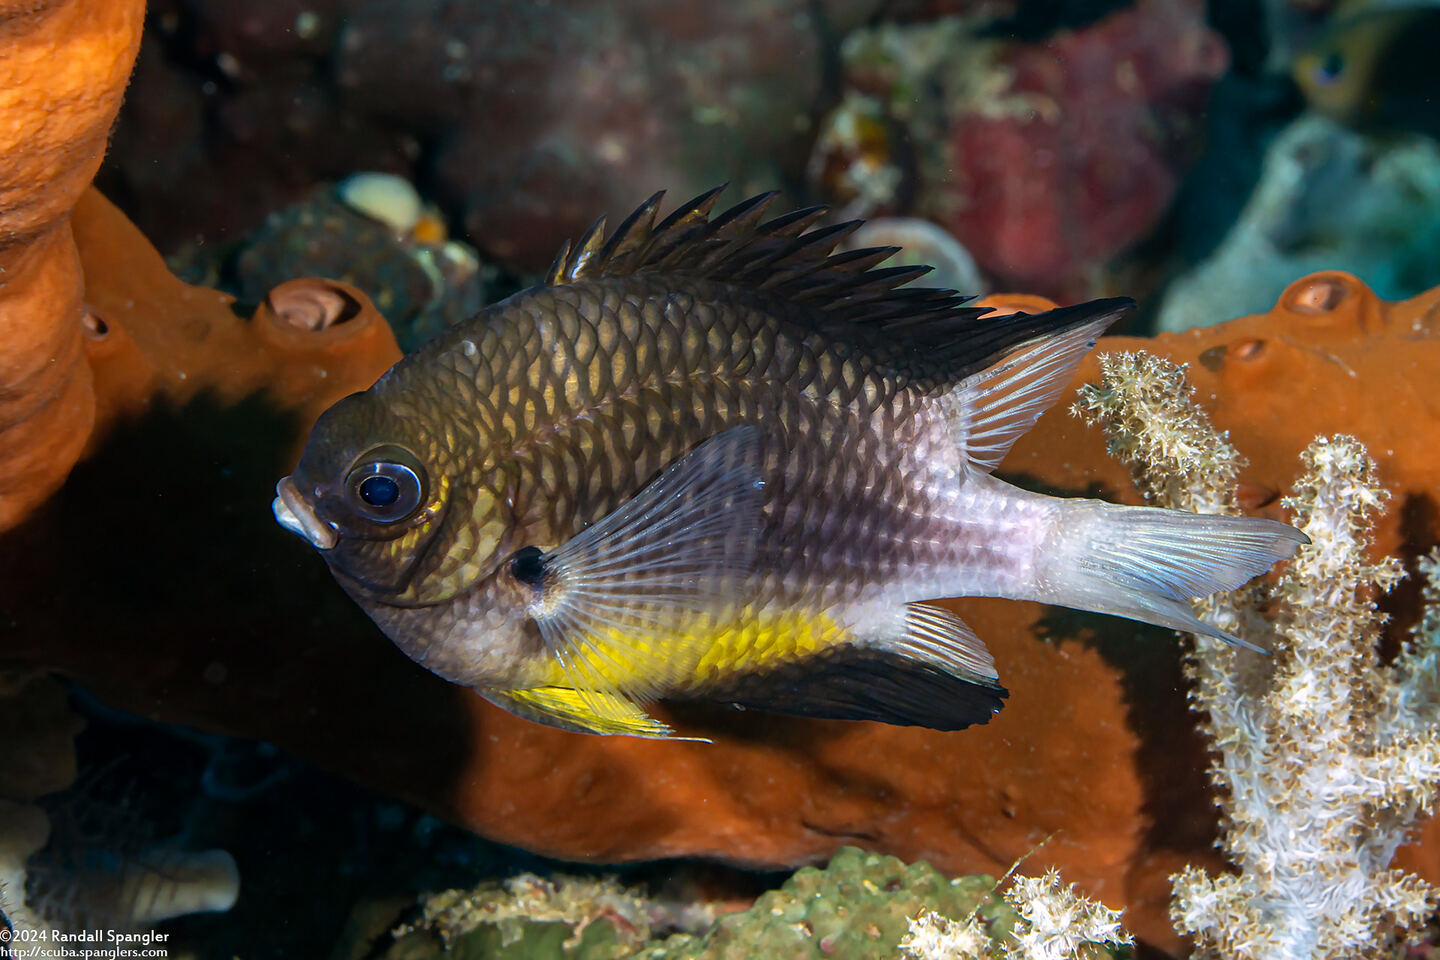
(924, 334)
(990, 410)
(627, 605)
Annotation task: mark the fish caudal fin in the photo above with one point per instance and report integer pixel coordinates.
(1148, 563)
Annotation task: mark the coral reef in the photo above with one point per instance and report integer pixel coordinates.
(525, 900)
(559, 916)
(1053, 922)
(1046, 154)
(1095, 742)
(860, 905)
(856, 907)
(1130, 82)
(420, 281)
(530, 118)
(156, 578)
(67, 863)
(1328, 198)
(1044, 158)
(158, 342)
(1084, 766)
(1326, 758)
(571, 115)
(62, 82)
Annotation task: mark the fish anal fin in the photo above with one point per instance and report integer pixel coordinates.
(866, 682)
(937, 635)
(992, 409)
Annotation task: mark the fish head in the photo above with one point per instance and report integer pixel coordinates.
(1337, 72)
(394, 506)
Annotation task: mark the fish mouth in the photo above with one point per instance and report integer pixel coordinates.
(295, 515)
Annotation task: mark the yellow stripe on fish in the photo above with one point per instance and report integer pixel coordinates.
(602, 703)
(755, 642)
(760, 643)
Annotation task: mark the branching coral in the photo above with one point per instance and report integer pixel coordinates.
(1055, 922)
(1325, 756)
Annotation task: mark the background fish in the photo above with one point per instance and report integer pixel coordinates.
(1372, 66)
(713, 460)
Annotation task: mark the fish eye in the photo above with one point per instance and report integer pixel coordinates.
(1328, 70)
(385, 489)
(379, 491)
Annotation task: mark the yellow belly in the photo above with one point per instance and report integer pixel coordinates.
(608, 676)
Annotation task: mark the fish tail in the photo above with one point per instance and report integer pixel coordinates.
(1148, 563)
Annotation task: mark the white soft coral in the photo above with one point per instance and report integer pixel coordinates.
(1325, 757)
(1055, 923)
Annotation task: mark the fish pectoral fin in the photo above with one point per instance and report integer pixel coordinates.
(992, 409)
(627, 606)
(581, 711)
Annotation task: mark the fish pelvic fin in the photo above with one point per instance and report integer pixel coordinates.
(627, 606)
(591, 712)
(1148, 563)
(992, 409)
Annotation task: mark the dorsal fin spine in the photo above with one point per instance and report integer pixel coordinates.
(927, 337)
(586, 249)
(631, 236)
(556, 274)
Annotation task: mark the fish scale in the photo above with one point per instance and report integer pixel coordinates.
(821, 451)
(716, 460)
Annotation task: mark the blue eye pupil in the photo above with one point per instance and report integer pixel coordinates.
(382, 490)
(379, 491)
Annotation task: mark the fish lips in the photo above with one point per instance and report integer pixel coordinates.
(297, 516)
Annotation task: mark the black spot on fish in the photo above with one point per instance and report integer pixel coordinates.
(527, 565)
